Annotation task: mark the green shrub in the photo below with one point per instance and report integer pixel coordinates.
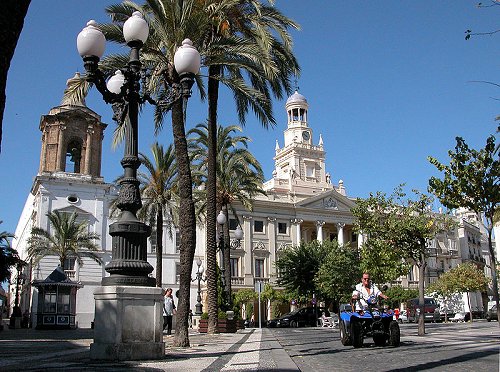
(222, 314)
(204, 316)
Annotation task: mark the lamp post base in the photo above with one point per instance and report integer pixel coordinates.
(15, 318)
(128, 323)
(198, 309)
(129, 266)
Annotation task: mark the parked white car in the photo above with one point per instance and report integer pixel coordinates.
(403, 318)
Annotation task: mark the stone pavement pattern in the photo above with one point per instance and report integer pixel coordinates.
(68, 350)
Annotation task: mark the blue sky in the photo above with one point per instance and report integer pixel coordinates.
(388, 83)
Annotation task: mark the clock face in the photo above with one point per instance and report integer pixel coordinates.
(306, 136)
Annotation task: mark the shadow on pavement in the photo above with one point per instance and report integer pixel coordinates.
(448, 362)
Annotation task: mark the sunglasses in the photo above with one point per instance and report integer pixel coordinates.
(366, 278)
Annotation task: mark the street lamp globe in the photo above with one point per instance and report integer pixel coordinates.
(91, 41)
(238, 233)
(187, 59)
(135, 28)
(221, 218)
(116, 82)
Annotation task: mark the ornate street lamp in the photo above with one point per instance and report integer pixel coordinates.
(16, 310)
(221, 220)
(129, 264)
(199, 278)
(238, 234)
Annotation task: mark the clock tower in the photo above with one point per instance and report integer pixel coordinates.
(299, 164)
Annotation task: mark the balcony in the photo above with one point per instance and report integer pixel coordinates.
(237, 280)
(71, 274)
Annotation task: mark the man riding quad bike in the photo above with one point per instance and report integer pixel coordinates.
(368, 320)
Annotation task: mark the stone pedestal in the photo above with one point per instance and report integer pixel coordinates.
(196, 321)
(128, 323)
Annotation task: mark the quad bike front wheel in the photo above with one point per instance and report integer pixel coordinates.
(356, 333)
(345, 338)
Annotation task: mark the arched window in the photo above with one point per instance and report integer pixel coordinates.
(74, 156)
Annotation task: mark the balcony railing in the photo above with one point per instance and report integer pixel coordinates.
(263, 280)
(237, 280)
(71, 274)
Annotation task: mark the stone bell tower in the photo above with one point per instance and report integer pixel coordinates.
(69, 181)
(71, 140)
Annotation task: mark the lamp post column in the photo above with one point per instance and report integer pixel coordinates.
(129, 265)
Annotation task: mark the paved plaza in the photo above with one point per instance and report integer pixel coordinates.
(68, 350)
(457, 347)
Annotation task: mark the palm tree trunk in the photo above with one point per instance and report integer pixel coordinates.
(211, 187)
(227, 259)
(12, 21)
(187, 223)
(159, 246)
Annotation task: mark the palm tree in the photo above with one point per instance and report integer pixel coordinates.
(241, 39)
(8, 255)
(158, 188)
(268, 63)
(239, 175)
(68, 239)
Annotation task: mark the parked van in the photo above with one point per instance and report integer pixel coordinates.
(431, 310)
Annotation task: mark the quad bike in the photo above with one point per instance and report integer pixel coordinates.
(371, 322)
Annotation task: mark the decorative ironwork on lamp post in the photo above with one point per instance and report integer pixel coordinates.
(123, 91)
(199, 278)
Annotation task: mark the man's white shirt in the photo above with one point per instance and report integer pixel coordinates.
(363, 295)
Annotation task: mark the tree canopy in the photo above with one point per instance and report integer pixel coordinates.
(471, 181)
(465, 277)
(397, 229)
(325, 269)
(67, 238)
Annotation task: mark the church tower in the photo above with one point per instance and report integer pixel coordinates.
(69, 181)
(71, 141)
(299, 164)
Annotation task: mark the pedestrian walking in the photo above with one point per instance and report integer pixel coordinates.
(168, 311)
(190, 318)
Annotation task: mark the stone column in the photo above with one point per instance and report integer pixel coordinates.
(247, 245)
(61, 150)
(297, 222)
(271, 234)
(340, 232)
(361, 239)
(319, 225)
(88, 150)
